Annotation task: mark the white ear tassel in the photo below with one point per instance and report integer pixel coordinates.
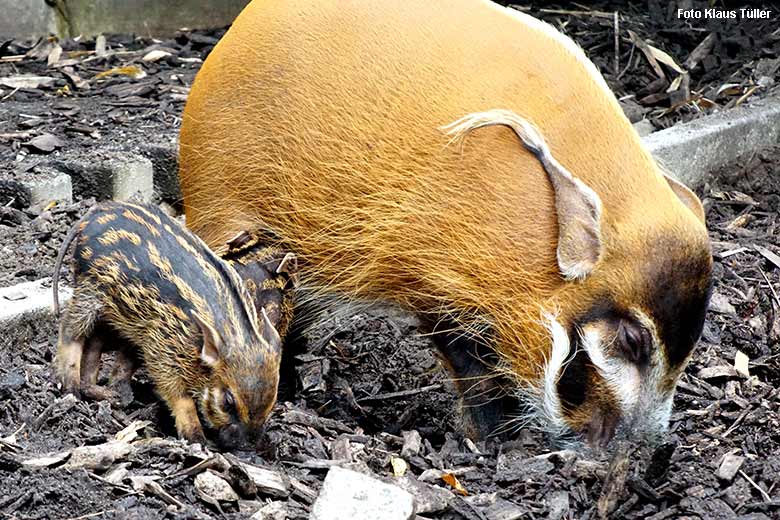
(572, 267)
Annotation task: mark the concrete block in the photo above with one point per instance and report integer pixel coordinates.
(48, 185)
(148, 17)
(165, 162)
(132, 178)
(26, 19)
(33, 18)
(110, 174)
(690, 151)
(27, 303)
(348, 495)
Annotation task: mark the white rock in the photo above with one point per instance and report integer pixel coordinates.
(348, 495)
(212, 488)
(272, 511)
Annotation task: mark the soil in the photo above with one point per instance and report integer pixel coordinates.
(743, 60)
(356, 386)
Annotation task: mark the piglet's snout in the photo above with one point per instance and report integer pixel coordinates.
(601, 428)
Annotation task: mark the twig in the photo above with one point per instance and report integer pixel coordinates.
(402, 393)
(628, 63)
(92, 515)
(772, 289)
(14, 91)
(595, 14)
(616, 21)
(764, 494)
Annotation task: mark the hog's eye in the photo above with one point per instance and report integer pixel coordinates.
(228, 401)
(634, 341)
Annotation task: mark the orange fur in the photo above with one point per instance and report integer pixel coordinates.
(320, 121)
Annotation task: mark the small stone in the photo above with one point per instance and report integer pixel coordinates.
(729, 467)
(212, 488)
(412, 444)
(435, 475)
(720, 303)
(429, 499)
(271, 511)
(347, 494)
(15, 296)
(341, 449)
(44, 143)
(558, 504)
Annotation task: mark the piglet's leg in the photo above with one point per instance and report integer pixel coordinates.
(70, 347)
(90, 360)
(125, 365)
(90, 368)
(187, 423)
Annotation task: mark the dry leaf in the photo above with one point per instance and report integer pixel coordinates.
(133, 71)
(54, 56)
(155, 55)
(26, 81)
(741, 362)
(399, 465)
(453, 481)
(664, 58)
(130, 432)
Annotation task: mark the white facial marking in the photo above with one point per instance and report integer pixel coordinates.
(561, 347)
(621, 376)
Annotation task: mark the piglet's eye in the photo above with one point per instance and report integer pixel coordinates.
(228, 401)
(634, 341)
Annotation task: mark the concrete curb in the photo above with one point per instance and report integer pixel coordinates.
(692, 150)
(24, 305)
(33, 18)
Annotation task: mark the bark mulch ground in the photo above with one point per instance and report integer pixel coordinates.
(365, 391)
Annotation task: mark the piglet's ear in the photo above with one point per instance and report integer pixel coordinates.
(270, 334)
(289, 266)
(212, 342)
(577, 206)
(686, 196)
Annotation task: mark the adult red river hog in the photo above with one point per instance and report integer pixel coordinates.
(466, 162)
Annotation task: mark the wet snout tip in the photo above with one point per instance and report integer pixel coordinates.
(600, 430)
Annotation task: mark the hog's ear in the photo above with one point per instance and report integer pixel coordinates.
(577, 206)
(270, 334)
(686, 196)
(212, 342)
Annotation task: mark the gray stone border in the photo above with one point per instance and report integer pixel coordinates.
(688, 151)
